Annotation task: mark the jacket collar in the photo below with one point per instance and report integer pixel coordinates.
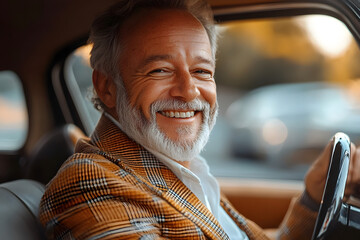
(116, 146)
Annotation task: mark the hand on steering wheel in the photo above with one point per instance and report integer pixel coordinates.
(334, 217)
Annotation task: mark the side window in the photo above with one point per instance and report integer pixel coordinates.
(285, 87)
(13, 112)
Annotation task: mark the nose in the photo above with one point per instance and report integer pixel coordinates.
(185, 87)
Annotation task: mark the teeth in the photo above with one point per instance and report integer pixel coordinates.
(172, 114)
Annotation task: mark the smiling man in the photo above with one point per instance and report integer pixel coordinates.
(167, 70)
(140, 174)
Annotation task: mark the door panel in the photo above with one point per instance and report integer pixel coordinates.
(262, 201)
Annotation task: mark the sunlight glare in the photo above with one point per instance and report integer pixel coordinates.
(329, 35)
(84, 52)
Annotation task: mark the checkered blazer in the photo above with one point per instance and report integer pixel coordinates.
(112, 188)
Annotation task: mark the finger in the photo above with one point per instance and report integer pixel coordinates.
(356, 167)
(355, 172)
(350, 181)
(316, 176)
(326, 156)
(352, 163)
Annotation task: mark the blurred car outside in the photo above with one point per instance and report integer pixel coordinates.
(290, 124)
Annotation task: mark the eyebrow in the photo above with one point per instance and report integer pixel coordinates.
(205, 60)
(154, 58)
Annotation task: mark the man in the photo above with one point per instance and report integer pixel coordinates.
(140, 175)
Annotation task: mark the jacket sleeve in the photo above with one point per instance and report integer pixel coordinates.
(85, 202)
(298, 223)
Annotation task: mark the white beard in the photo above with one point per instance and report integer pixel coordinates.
(147, 133)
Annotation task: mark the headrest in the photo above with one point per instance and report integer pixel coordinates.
(51, 151)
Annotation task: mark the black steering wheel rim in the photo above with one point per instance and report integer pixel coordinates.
(332, 203)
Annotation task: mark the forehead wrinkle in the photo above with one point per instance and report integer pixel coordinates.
(205, 60)
(173, 32)
(175, 37)
(154, 58)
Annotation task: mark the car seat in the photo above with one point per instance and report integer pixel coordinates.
(19, 206)
(51, 151)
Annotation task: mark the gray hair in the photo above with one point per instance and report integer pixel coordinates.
(104, 34)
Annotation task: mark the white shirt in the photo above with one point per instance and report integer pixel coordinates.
(206, 188)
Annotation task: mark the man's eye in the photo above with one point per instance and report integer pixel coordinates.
(158, 71)
(203, 73)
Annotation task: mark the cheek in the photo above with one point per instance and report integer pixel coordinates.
(141, 99)
(208, 91)
(142, 95)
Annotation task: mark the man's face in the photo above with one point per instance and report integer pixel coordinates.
(167, 56)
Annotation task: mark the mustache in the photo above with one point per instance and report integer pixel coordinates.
(176, 104)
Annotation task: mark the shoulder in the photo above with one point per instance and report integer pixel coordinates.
(90, 192)
(83, 172)
(88, 176)
(69, 183)
(85, 179)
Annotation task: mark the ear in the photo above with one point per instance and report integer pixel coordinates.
(105, 88)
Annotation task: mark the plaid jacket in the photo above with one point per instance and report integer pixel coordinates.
(112, 188)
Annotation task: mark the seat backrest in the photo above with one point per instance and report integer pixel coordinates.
(51, 151)
(19, 206)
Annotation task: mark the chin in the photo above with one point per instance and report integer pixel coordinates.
(184, 148)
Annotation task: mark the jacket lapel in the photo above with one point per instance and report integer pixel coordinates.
(252, 230)
(120, 149)
(180, 197)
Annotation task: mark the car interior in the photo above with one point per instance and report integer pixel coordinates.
(281, 97)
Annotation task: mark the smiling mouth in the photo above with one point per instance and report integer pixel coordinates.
(178, 114)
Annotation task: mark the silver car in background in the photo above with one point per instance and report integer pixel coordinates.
(290, 124)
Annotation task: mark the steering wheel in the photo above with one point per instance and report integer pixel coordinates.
(337, 219)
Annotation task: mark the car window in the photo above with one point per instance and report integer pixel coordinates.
(13, 112)
(285, 87)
